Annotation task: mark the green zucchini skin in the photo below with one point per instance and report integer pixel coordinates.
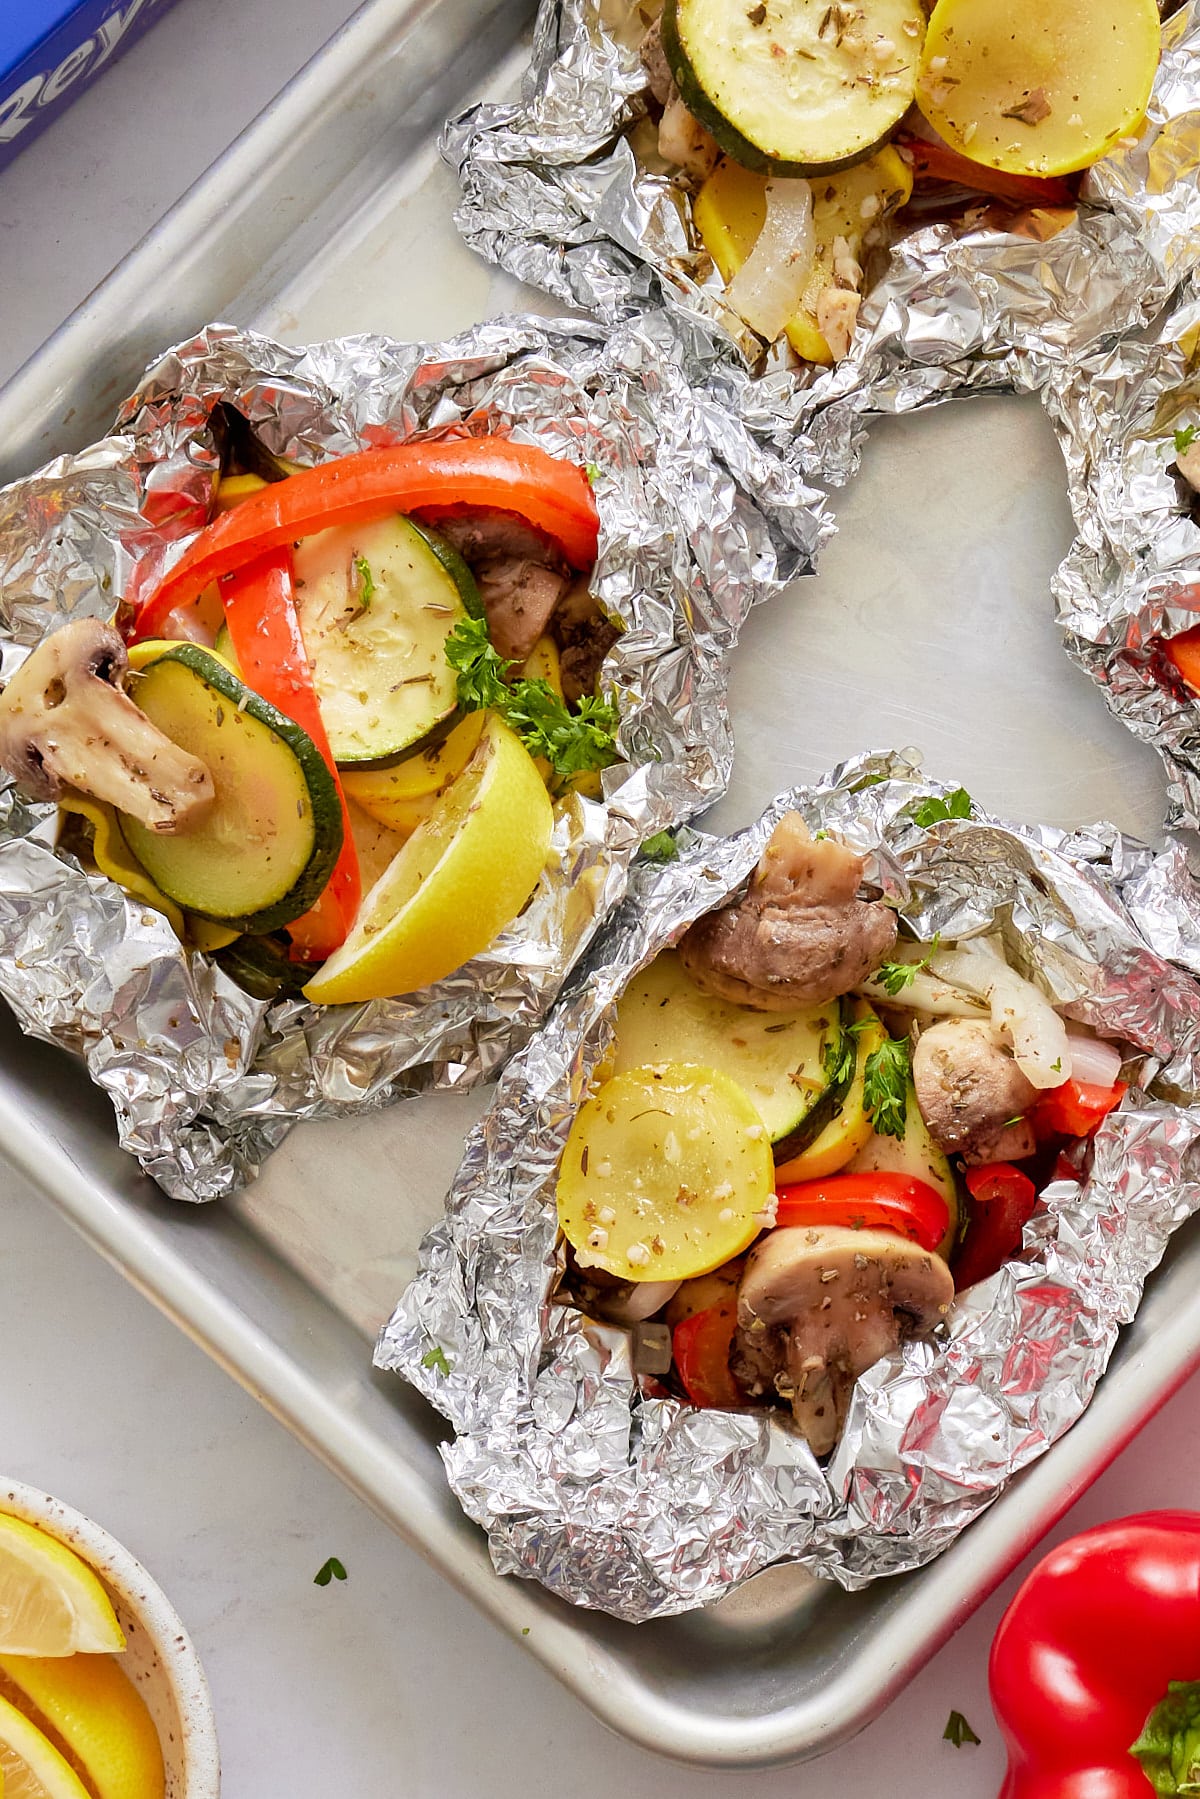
(824, 1111)
(261, 968)
(678, 23)
(320, 829)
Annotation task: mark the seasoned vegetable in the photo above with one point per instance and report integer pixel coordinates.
(796, 87)
(401, 794)
(729, 211)
(667, 1173)
(265, 850)
(376, 606)
(879, 1200)
(915, 1154)
(850, 1127)
(1038, 90)
(783, 1061)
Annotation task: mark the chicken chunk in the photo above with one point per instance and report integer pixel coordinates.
(800, 936)
(972, 1095)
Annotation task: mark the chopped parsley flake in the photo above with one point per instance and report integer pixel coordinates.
(958, 1731)
(330, 1570)
(1185, 437)
(934, 809)
(662, 847)
(436, 1358)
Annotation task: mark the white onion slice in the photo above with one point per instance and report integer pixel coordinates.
(1093, 1061)
(1023, 1014)
(925, 993)
(640, 1301)
(767, 289)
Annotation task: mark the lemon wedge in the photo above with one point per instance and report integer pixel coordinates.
(463, 875)
(51, 1603)
(32, 1767)
(98, 1717)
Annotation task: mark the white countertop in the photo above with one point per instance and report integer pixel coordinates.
(390, 1684)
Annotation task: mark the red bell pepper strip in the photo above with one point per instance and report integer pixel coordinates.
(878, 1201)
(260, 610)
(938, 162)
(552, 495)
(1184, 652)
(1085, 1655)
(1003, 1202)
(700, 1346)
(1075, 1109)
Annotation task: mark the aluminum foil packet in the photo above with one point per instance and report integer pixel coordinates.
(1132, 577)
(697, 525)
(554, 190)
(587, 1475)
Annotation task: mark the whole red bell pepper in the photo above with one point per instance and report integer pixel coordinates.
(700, 1346)
(1095, 1669)
(552, 495)
(260, 610)
(869, 1201)
(1003, 1200)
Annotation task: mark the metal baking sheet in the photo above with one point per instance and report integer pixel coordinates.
(931, 624)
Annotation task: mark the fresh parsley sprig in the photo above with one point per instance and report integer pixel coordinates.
(886, 1076)
(571, 742)
(932, 810)
(1185, 437)
(662, 847)
(894, 977)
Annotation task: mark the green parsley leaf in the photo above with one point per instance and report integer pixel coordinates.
(838, 1059)
(436, 1358)
(330, 1570)
(958, 1731)
(893, 977)
(934, 809)
(1185, 438)
(885, 1087)
(593, 471)
(366, 581)
(662, 847)
(525, 1631)
(572, 742)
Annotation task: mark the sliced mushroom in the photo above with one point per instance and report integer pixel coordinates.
(816, 1308)
(800, 936)
(971, 1092)
(65, 722)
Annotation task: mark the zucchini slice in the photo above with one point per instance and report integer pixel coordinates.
(918, 1155)
(779, 1059)
(265, 851)
(376, 603)
(796, 87)
(849, 1128)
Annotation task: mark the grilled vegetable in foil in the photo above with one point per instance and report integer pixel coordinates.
(586, 1473)
(697, 525)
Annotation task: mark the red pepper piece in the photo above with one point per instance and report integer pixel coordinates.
(552, 495)
(260, 610)
(1003, 1202)
(879, 1201)
(1087, 1650)
(700, 1345)
(938, 162)
(1184, 652)
(1075, 1109)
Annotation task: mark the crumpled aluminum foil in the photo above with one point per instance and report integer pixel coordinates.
(553, 191)
(1132, 576)
(697, 525)
(590, 1478)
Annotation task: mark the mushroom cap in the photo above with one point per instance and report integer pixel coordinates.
(967, 1083)
(85, 647)
(793, 1271)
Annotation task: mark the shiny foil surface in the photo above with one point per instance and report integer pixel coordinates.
(1132, 577)
(586, 1474)
(697, 525)
(553, 191)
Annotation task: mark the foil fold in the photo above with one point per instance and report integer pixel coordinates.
(698, 524)
(553, 191)
(589, 1477)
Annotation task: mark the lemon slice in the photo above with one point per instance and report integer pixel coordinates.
(97, 1716)
(51, 1603)
(1038, 89)
(463, 875)
(667, 1173)
(31, 1765)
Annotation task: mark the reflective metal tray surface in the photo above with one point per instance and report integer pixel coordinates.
(930, 624)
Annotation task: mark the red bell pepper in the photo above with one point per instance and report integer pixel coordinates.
(938, 162)
(1003, 1202)
(1184, 652)
(552, 495)
(1085, 1660)
(877, 1201)
(700, 1346)
(260, 610)
(1075, 1109)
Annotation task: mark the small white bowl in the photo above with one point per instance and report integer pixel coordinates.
(159, 1657)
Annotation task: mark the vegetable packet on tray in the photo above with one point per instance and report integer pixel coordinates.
(566, 188)
(205, 1077)
(574, 1448)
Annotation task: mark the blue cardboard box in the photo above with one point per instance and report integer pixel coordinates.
(51, 49)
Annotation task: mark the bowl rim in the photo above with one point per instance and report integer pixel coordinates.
(122, 1571)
